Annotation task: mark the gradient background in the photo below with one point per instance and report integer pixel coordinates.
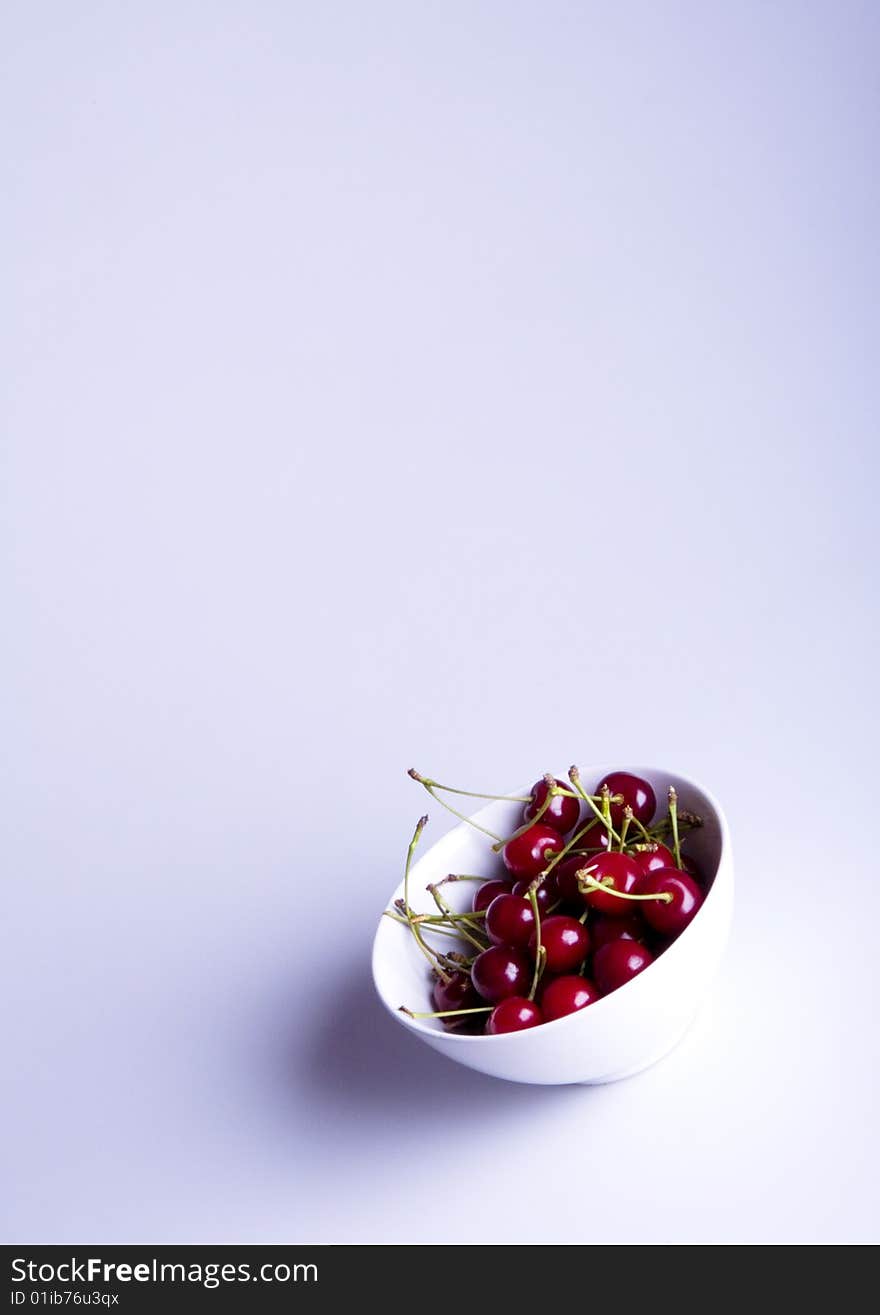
(477, 386)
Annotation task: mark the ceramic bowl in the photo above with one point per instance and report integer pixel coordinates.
(616, 1036)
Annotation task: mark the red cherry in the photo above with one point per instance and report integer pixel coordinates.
(616, 871)
(456, 993)
(484, 895)
(512, 1015)
(510, 920)
(603, 929)
(546, 894)
(566, 880)
(689, 866)
(637, 793)
(566, 942)
(565, 995)
(596, 838)
(563, 811)
(650, 860)
(500, 971)
(618, 962)
(670, 918)
(529, 853)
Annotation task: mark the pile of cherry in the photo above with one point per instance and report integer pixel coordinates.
(592, 891)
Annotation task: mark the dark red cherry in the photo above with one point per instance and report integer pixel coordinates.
(596, 838)
(566, 880)
(484, 895)
(500, 971)
(637, 793)
(616, 871)
(563, 811)
(566, 942)
(670, 918)
(690, 867)
(513, 1015)
(631, 927)
(547, 893)
(618, 962)
(456, 993)
(651, 860)
(510, 920)
(565, 995)
(529, 853)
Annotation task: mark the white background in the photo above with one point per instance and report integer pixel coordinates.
(483, 387)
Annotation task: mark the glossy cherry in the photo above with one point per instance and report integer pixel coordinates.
(690, 867)
(619, 962)
(547, 893)
(529, 853)
(670, 917)
(631, 927)
(617, 872)
(595, 838)
(639, 794)
(510, 920)
(563, 811)
(513, 1015)
(484, 895)
(500, 971)
(565, 875)
(456, 993)
(566, 943)
(651, 860)
(566, 995)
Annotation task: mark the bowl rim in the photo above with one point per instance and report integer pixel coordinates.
(421, 1027)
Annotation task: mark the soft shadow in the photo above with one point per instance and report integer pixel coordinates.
(358, 1061)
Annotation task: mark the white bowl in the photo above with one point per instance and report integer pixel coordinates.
(620, 1034)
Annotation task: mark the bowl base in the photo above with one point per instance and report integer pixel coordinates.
(648, 1063)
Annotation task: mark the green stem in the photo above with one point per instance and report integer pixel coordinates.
(420, 826)
(540, 952)
(460, 876)
(441, 931)
(627, 818)
(583, 877)
(532, 821)
(673, 814)
(493, 835)
(606, 822)
(471, 794)
(449, 914)
(429, 954)
(644, 830)
(445, 1013)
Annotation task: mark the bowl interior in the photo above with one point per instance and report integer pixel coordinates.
(401, 971)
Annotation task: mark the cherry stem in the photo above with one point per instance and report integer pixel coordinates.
(441, 931)
(557, 858)
(450, 914)
(627, 818)
(430, 955)
(644, 830)
(471, 794)
(531, 821)
(445, 1013)
(431, 788)
(584, 878)
(540, 952)
(460, 876)
(457, 963)
(606, 805)
(673, 816)
(575, 777)
(420, 826)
